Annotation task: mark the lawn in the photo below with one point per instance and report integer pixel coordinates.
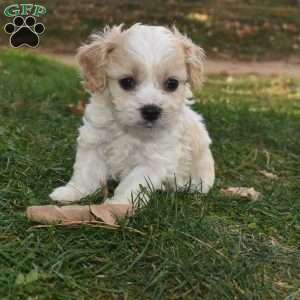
(189, 246)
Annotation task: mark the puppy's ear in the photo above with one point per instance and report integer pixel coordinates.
(93, 58)
(194, 56)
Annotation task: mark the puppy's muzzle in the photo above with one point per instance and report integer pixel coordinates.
(151, 112)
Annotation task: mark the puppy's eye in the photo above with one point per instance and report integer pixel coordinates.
(171, 84)
(127, 83)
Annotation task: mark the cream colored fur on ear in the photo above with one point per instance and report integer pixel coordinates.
(194, 56)
(93, 57)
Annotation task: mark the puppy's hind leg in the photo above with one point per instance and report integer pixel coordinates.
(203, 171)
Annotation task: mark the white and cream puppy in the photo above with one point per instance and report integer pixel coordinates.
(138, 127)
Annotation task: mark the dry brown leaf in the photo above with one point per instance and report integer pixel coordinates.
(52, 214)
(77, 109)
(268, 174)
(241, 192)
(203, 18)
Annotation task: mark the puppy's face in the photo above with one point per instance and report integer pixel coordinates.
(145, 69)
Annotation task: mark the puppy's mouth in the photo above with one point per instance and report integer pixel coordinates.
(147, 124)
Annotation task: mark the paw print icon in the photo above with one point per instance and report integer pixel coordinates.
(24, 32)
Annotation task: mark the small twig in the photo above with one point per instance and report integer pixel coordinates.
(77, 223)
(94, 224)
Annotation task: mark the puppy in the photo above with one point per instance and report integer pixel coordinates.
(138, 127)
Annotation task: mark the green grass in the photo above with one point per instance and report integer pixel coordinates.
(191, 246)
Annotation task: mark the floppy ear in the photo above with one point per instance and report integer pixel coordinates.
(93, 57)
(194, 56)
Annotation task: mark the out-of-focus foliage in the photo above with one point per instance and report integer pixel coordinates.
(224, 28)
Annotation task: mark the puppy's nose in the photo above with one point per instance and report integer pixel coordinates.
(150, 112)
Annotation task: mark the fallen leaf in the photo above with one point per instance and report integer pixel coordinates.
(242, 192)
(52, 214)
(77, 109)
(268, 174)
(198, 17)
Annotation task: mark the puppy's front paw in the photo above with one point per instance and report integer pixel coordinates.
(66, 194)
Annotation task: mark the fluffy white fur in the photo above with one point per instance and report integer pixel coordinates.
(114, 140)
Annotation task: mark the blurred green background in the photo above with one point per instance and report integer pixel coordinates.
(248, 29)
